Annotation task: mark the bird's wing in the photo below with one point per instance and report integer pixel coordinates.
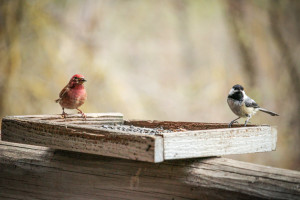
(250, 103)
(62, 93)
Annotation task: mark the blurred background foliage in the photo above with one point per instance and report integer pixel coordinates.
(163, 60)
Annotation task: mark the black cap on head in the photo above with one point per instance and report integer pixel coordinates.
(238, 87)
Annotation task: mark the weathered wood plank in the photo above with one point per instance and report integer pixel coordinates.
(52, 131)
(186, 139)
(219, 142)
(30, 172)
(212, 139)
(91, 118)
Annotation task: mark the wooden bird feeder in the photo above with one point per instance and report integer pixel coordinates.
(182, 140)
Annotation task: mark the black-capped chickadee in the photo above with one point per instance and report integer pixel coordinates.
(242, 105)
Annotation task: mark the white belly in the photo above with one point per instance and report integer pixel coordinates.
(239, 108)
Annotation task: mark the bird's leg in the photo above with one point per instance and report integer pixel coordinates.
(63, 115)
(82, 113)
(247, 120)
(233, 121)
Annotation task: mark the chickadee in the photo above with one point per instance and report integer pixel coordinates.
(242, 105)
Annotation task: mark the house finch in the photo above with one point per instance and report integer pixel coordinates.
(73, 95)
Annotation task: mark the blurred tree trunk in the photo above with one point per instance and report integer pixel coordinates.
(10, 18)
(285, 28)
(278, 16)
(236, 21)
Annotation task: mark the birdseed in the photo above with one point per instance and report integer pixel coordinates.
(136, 129)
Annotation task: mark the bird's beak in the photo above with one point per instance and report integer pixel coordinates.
(82, 80)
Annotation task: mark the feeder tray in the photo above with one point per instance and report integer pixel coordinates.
(108, 134)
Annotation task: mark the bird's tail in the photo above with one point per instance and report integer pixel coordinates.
(269, 112)
(57, 100)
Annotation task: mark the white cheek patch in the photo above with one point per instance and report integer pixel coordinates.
(244, 94)
(231, 92)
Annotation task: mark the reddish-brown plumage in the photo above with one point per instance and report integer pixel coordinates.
(73, 95)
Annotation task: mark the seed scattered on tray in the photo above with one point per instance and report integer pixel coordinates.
(136, 129)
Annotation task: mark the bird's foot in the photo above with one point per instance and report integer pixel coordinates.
(82, 113)
(247, 122)
(233, 122)
(64, 115)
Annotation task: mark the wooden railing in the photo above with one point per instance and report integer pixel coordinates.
(31, 172)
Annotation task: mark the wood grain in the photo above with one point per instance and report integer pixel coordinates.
(186, 139)
(76, 134)
(197, 139)
(31, 172)
(219, 142)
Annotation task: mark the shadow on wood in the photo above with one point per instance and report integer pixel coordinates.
(31, 172)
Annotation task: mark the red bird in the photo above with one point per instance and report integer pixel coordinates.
(73, 95)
